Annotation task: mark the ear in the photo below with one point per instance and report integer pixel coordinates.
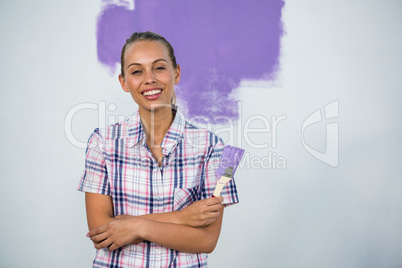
(177, 75)
(123, 83)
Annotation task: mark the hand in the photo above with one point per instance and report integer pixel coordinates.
(202, 213)
(122, 231)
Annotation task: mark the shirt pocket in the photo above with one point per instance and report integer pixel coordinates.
(184, 197)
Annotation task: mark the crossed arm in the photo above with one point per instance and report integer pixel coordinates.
(195, 229)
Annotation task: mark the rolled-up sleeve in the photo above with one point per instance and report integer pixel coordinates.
(95, 177)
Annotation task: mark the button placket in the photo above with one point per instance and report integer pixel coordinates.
(157, 189)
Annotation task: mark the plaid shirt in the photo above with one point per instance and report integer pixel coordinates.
(119, 163)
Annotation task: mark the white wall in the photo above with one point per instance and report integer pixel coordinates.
(307, 215)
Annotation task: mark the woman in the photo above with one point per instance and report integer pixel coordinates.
(149, 180)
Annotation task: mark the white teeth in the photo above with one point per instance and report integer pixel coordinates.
(152, 92)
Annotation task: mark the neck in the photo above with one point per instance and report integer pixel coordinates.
(156, 123)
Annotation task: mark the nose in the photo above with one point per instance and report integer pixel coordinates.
(149, 77)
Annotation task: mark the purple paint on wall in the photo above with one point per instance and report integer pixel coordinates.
(217, 43)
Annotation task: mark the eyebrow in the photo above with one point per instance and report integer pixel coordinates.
(155, 61)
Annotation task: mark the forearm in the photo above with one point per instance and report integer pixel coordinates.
(183, 238)
(99, 221)
(99, 210)
(180, 237)
(166, 217)
(199, 214)
(194, 229)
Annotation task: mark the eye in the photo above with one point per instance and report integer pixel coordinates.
(136, 72)
(160, 68)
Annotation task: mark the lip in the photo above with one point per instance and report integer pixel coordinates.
(150, 89)
(152, 97)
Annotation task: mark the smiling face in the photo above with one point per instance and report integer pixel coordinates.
(149, 75)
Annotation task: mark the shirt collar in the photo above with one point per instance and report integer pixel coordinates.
(174, 134)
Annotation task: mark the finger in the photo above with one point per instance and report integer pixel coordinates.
(220, 199)
(114, 246)
(98, 230)
(213, 215)
(215, 200)
(99, 237)
(209, 222)
(104, 244)
(213, 208)
(208, 201)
